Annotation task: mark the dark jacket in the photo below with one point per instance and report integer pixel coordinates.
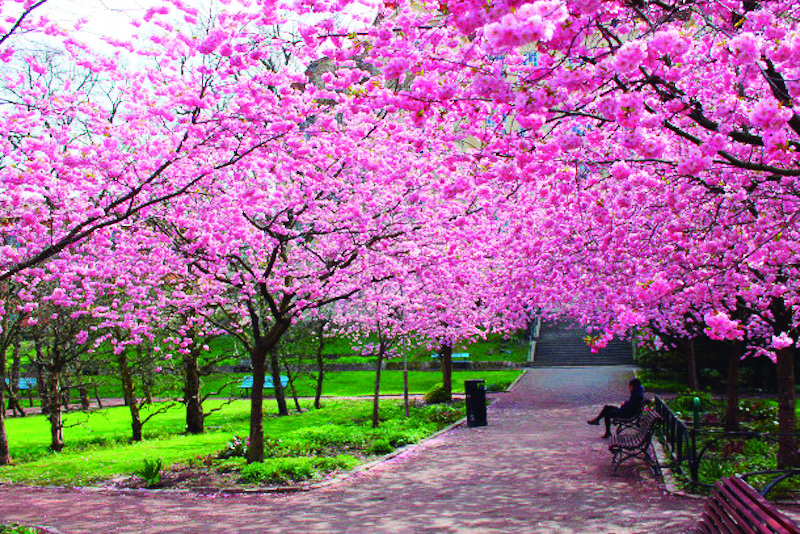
(631, 407)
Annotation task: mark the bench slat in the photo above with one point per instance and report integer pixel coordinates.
(724, 517)
(734, 507)
(759, 505)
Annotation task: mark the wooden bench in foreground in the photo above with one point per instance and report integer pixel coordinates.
(735, 507)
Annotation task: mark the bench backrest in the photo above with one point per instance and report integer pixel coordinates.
(647, 426)
(247, 382)
(25, 383)
(735, 507)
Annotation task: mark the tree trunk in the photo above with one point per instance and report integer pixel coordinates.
(13, 381)
(446, 355)
(376, 397)
(405, 384)
(13, 402)
(83, 391)
(43, 385)
(275, 371)
(258, 358)
(5, 457)
(97, 398)
(255, 447)
(129, 394)
(787, 419)
(732, 407)
(147, 375)
(54, 407)
(191, 393)
(293, 390)
(691, 365)
(320, 367)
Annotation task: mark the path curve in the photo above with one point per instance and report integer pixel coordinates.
(537, 468)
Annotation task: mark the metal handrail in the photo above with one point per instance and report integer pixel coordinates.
(681, 440)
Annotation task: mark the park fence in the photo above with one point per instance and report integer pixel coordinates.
(689, 444)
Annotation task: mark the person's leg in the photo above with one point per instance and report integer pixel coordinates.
(609, 414)
(607, 409)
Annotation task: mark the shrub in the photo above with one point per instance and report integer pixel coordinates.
(282, 470)
(236, 448)
(436, 395)
(499, 386)
(380, 446)
(151, 472)
(685, 403)
(443, 414)
(17, 529)
(279, 470)
(332, 435)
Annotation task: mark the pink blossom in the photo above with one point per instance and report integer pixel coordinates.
(721, 327)
(782, 341)
(746, 48)
(629, 57)
(769, 114)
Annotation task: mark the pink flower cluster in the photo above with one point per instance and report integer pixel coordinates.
(629, 57)
(769, 115)
(721, 327)
(530, 23)
(782, 341)
(746, 48)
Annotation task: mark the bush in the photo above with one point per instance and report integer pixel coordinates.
(499, 386)
(279, 470)
(685, 403)
(282, 470)
(17, 529)
(436, 395)
(380, 446)
(151, 472)
(333, 436)
(444, 414)
(235, 448)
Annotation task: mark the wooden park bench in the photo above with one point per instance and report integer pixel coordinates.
(621, 423)
(247, 384)
(736, 507)
(636, 442)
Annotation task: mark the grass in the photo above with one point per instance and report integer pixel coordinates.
(97, 445)
(337, 383)
(494, 348)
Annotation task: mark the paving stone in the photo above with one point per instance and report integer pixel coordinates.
(537, 468)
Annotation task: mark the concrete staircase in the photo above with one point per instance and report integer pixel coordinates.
(561, 344)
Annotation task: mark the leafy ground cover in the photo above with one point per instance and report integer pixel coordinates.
(753, 449)
(302, 446)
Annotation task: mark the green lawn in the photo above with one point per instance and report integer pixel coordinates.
(337, 383)
(97, 445)
(357, 383)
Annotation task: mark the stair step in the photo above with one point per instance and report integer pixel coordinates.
(562, 344)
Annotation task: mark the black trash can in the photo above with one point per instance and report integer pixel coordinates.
(476, 402)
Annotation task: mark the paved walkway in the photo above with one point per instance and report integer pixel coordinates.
(537, 468)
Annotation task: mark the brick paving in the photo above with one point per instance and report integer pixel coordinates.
(537, 468)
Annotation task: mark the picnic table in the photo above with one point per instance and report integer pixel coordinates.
(247, 383)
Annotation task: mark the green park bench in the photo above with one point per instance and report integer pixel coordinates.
(26, 385)
(456, 355)
(247, 384)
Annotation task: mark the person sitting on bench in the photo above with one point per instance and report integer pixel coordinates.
(628, 409)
